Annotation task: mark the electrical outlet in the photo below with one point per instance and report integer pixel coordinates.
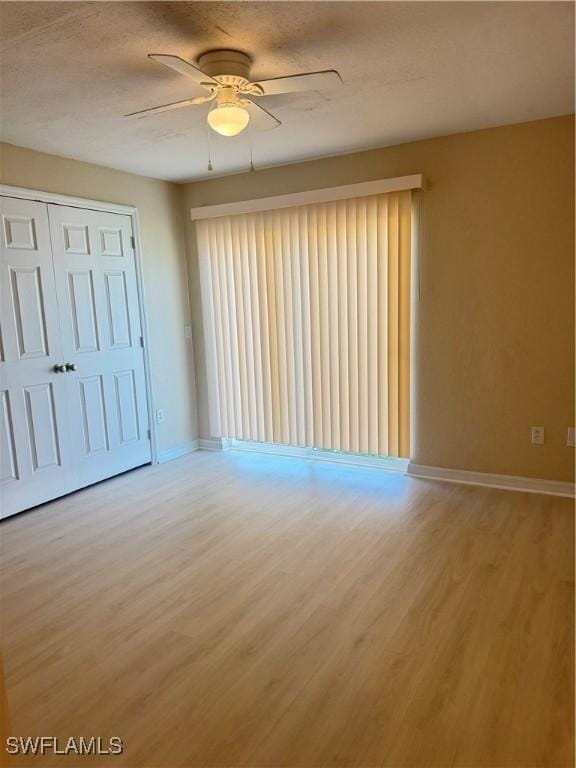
(571, 439)
(160, 415)
(538, 435)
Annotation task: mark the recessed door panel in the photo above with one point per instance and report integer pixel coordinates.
(19, 232)
(117, 305)
(8, 460)
(111, 241)
(76, 239)
(127, 407)
(83, 309)
(28, 304)
(94, 423)
(42, 429)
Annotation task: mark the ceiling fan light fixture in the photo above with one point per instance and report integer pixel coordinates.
(228, 119)
(225, 75)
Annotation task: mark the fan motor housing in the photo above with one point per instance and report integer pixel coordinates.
(226, 64)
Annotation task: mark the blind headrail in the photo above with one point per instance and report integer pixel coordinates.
(326, 195)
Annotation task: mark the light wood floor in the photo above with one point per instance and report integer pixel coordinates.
(242, 610)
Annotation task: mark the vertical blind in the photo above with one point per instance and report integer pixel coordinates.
(307, 317)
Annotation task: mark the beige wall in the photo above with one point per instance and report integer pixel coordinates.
(495, 328)
(164, 268)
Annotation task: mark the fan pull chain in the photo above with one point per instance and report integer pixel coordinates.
(250, 142)
(210, 166)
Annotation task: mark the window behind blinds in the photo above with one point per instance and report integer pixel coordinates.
(307, 318)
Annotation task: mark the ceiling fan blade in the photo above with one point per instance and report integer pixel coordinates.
(310, 81)
(168, 107)
(183, 68)
(260, 118)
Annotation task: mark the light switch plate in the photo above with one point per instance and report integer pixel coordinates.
(538, 435)
(571, 439)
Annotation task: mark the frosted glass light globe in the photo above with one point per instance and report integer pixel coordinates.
(228, 120)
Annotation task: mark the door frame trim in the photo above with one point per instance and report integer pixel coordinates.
(126, 210)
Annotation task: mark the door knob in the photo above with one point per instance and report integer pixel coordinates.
(71, 367)
(59, 368)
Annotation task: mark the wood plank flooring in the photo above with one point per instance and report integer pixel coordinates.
(230, 609)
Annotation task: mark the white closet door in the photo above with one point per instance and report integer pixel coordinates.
(97, 293)
(36, 462)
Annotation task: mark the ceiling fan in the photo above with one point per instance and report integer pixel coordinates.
(225, 75)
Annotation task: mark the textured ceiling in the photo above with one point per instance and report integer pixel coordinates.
(411, 70)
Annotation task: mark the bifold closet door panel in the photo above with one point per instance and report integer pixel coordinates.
(95, 272)
(35, 448)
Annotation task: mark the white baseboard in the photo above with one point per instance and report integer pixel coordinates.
(316, 454)
(504, 482)
(177, 451)
(214, 444)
